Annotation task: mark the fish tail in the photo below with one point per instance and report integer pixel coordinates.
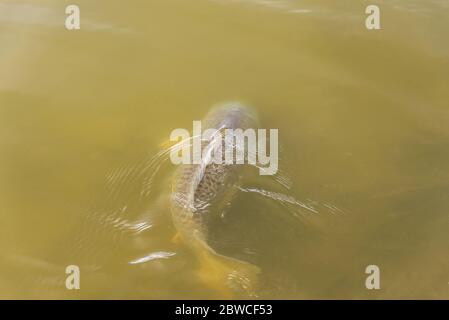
(227, 275)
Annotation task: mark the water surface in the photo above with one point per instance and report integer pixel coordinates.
(363, 123)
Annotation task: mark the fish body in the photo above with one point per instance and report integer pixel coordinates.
(201, 191)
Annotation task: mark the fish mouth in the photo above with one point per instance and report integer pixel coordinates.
(234, 113)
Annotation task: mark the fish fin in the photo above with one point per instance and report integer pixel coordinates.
(226, 275)
(177, 238)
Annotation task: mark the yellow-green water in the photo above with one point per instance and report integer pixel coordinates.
(363, 124)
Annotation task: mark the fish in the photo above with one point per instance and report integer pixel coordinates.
(200, 193)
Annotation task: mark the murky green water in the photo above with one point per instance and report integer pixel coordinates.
(363, 124)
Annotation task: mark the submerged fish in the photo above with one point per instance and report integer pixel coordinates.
(199, 194)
